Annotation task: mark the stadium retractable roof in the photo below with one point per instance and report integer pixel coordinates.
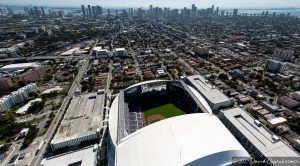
(192, 139)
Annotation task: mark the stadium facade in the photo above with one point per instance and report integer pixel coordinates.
(197, 138)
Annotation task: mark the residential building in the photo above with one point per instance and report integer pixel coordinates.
(202, 50)
(283, 55)
(288, 102)
(5, 84)
(32, 75)
(238, 73)
(101, 53)
(120, 52)
(10, 52)
(275, 66)
(16, 97)
(269, 107)
(273, 121)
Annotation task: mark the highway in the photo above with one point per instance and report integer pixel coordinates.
(56, 122)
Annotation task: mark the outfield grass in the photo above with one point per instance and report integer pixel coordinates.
(167, 110)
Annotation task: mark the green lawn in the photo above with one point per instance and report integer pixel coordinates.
(167, 110)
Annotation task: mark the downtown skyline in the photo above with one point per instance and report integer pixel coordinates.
(257, 4)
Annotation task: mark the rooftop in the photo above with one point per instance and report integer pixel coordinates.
(192, 139)
(82, 117)
(209, 91)
(120, 49)
(99, 48)
(20, 65)
(70, 51)
(85, 156)
(259, 136)
(276, 120)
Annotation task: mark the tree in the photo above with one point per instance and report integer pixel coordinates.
(32, 95)
(294, 123)
(4, 148)
(48, 123)
(32, 133)
(252, 112)
(47, 78)
(233, 79)
(51, 115)
(223, 76)
(258, 76)
(56, 105)
(36, 106)
(228, 93)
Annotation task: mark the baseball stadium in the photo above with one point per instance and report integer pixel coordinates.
(154, 120)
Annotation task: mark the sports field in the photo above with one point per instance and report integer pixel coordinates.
(161, 112)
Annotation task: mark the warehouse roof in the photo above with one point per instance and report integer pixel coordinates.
(210, 92)
(263, 139)
(19, 65)
(82, 118)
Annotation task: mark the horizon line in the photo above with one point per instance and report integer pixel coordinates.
(78, 6)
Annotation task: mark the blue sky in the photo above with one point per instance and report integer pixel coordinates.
(162, 3)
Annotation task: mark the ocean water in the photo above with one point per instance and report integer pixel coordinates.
(20, 9)
(293, 12)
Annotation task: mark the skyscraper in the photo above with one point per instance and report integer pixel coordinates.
(61, 13)
(212, 9)
(267, 14)
(25, 10)
(37, 12)
(83, 10)
(43, 11)
(94, 11)
(222, 13)
(89, 11)
(194, 8)
(98, 10)
(108, 12)
(151, 10)
(235, 12)
(217, 11)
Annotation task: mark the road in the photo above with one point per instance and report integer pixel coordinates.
(10, 154)
(56, 122)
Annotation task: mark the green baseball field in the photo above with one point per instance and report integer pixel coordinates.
(162, 112)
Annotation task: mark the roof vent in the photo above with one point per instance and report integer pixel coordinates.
(257, 122)
(275, 138)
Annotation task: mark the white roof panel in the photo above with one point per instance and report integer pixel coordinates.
(188, 139)
(20, 65)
